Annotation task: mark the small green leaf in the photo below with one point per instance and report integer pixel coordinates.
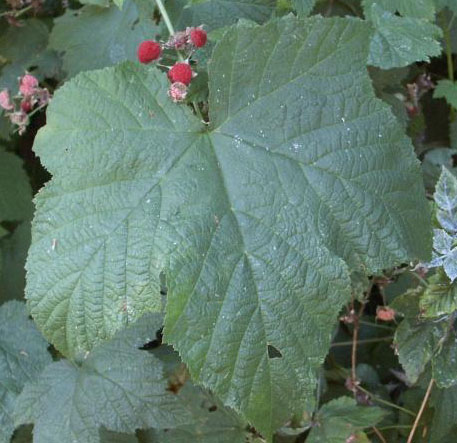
(400, 41)
(23, 355)
(338, 419)
(440, 296)
(94, 37)
(448, 90)
(303, 7)
(116, 386)
(15, 190)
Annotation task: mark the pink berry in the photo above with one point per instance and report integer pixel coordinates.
(384, 313)
(177, 92)
(149, 51)
(28, 85)
(181, 73)
(5, 100)
(198, 37)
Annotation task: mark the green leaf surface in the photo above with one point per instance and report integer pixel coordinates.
(400, 41)
(448, 90)
(444, 425)
(13, 251)
(215, 14)
(24, 48)
(451, 4)
(338, 419)
(116, 386)
(23, 355)
(303, 7)
(99, 3)
(440, 296)
(424, 9)
(15, 190)
(254, 222)
(211, 421)
(94, 37)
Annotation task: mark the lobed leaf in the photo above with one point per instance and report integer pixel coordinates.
(255, 221)
(116, 386)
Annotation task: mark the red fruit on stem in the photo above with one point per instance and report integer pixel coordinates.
(198, 37)
(148, 51)
(180, 72)
(177, 92)
(26, 106)
(384, 313)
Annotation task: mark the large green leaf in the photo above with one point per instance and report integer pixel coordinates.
(444, 427)
(23, 355)
(218, 13)
(400, 41)
(94, 37)
(117, 386)
(337, 420)
(253, 222)
(15, 190)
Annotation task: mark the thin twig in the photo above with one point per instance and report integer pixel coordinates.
(421, 410)
(385, 402)
(16, 14)
(362, 342)
(355, 336)
(378, 433)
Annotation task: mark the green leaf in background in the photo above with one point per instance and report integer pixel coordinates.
(100, 3)
(303, 7)
(111, 34)
(339, 419)
(210, 423)
(15, 190)
(399, 41)
(253, 222)
(433, 163)
(444, 425)
(13, 252)
(418, 8)
(24, 48)
(448, 90)
(23, 355)
(116, 386)
(440, 296)
(215, 14)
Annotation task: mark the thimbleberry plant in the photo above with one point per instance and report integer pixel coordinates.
(228, 221)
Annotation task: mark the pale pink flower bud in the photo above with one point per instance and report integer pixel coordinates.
(177, 91)
(5, 100)
(28, 85)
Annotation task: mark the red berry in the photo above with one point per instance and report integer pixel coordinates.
(26, 106)
(148, 51)
(177, 92)
(180, 72)
(198, 37)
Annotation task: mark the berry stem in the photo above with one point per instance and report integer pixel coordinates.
(166, 19)
(165, 16)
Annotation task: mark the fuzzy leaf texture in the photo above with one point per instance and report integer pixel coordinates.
(254, 221)
(23, 355)
(117, 386)
(400, 41)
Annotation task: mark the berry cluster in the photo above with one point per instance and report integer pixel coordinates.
(20, 107)
(180, 74)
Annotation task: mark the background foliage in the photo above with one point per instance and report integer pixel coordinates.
(272, 260)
